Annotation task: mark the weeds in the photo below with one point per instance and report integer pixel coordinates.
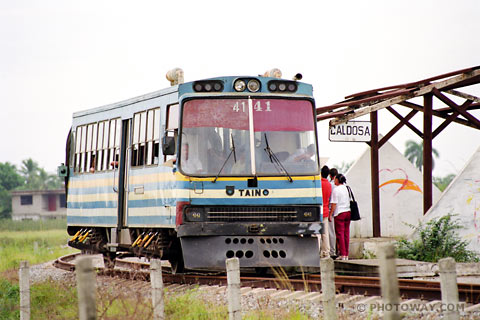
(31, 225)
(33, 246)
(437, 239)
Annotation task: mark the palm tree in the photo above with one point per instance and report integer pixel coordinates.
(37, 178)
(414, 153)
(30, 172)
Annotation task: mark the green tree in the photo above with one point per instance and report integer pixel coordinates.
(9, 180)
(442, 183)
(343, 168)
(414, 153)
(37, 178)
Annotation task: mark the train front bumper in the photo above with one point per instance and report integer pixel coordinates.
(252, 251)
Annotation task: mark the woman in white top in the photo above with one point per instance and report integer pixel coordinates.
(341, 212)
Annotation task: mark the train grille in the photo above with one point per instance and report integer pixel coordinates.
(252, 214)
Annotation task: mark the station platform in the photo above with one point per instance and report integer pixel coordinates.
(363, 261)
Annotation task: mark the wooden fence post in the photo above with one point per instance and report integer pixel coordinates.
(157, 289)
(449, 288)
(86, 287)
(389, 282)
(24, 282)
(327, 273)
(233, 289)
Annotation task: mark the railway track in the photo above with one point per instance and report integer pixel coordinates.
(352, 285)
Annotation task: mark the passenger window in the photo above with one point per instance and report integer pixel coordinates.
(172, 125)
(145, 142)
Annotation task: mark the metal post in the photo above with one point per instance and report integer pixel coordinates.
(328, 288)
(86, 287)
(233, 290)
(157, 289)
(24, 275)
(448, 284)
(374, 166)
(389, 282)
(427, 152)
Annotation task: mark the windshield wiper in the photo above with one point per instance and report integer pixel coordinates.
(232, 151)
(274, 159)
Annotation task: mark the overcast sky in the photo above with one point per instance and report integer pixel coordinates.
(59, 57)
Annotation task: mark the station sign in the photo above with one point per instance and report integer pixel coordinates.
(351, 131)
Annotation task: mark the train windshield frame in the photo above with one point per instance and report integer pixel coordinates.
(248, 136)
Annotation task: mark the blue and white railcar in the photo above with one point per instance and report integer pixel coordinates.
(198, 173)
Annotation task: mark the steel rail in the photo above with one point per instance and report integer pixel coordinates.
(369, 286)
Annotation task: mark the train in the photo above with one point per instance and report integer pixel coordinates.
(197, 173)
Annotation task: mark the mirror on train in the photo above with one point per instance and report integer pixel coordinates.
(62, 171)
(168, 145)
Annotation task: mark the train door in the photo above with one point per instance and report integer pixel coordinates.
(122, 174)
(142, 191)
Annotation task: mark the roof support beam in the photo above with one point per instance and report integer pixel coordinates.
(438, 114)
(403, 121)
(450, 118)
(375, 176)
(454, 106)
(427, 152)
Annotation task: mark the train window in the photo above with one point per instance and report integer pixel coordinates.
(105, 157)
(156, 136)
(83, 146)
(78, 155)
(111, 145)
(172, 114)
(149, 139)
(101, 126)
(145, 142)
(118, 135)
(172, 125)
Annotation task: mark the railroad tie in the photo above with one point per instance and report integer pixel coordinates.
(474, 308)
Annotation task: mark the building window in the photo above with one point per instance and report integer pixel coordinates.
(63, 201)
(26, 200)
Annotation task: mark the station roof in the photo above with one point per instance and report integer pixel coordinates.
(362, 103)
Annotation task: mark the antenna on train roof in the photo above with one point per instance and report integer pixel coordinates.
(175, 76)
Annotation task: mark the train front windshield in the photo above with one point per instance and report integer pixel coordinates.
(245, 137)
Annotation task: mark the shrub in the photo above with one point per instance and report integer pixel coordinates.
(437, 239)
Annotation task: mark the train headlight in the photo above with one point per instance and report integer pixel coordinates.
(239, 85)
(193, 214)
(253, 85)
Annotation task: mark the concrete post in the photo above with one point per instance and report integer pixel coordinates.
(448, 284)
(157, 289)
(233, 289)
(86, 287)
(389, 282)
(328, 288)
(24, 279)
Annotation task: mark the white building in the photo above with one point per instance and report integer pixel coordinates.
(462, 198)
(38, 204)
(401, 194)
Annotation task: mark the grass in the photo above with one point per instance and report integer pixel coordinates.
(31, 225)
(58, 300)
(34, 243)
(53, 300)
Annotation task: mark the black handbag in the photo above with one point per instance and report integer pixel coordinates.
(354, 213)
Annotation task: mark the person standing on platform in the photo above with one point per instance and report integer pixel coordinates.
(326, 194)
(331, 226)
(341, 212)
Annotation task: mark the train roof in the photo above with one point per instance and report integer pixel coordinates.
(172, 94)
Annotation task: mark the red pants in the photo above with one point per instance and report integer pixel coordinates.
(342, 232)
